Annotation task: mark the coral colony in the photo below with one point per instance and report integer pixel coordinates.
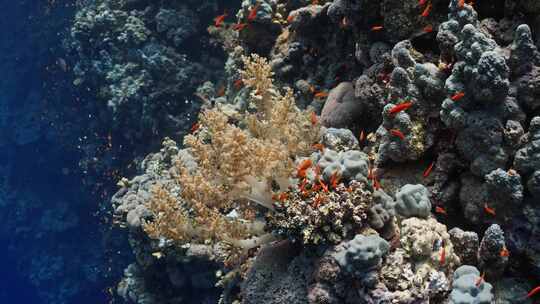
(358, 151)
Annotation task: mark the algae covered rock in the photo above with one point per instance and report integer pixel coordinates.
(465, 289)
(413, 200)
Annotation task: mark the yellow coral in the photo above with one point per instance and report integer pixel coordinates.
(237, 167)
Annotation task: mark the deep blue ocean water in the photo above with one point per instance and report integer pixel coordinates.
(53, 246)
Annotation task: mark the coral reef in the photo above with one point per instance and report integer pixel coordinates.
(332, 171)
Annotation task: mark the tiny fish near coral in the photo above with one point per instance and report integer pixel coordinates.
(218, 21)
(376, 28)
(504, 252)
(253, 12)
(427, 10)
(239, 26)
(489, 210)
(398, 133)
(428, 170)
(400, 107)
(457, 96)
(440, 210)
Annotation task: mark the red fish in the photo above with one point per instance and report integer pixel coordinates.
(428, 28)
(504, 252)
(218, 21)
(533, 291)
(239, 26)
(428, 170)
(442, 258)
(427, 10)
(253, 13)
(489, 210)
(457, 96)
(313, 118)
(400, 107)
(321, 95)
(461, 3)
(238, 84)
(376, 28)
(397, 133)
(195, 127)
(440, 210)
(291, 17)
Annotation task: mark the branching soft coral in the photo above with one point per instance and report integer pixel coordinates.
(239, 166)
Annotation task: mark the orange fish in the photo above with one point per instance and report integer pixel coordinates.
(218, 21)
(533, 291)
(194, 127)
(428, 170)
(480, 279)
(442, 258)
(304, 165)
(489, 210)
(504, 252)
(428, 29)
(323, 185)
(253, 12)
(461, 3)
(376, 28)
(397, 133)
(221, 91)
(362, 136)
(400, 107)
(440, 210)
(238, 84)
(334, 180)
(321, 95)
(291, 17)
(313, 118)
(319, 147)
(457, 96)
(239, 26)
(426, 11)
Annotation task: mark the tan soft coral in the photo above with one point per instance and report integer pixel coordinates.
(239, 164)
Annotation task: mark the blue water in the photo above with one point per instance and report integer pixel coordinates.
(55, 246)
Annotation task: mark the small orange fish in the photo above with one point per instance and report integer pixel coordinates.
(194, 127)
(489, 210)
(362, 136)
(442, 258)
(480, 279)
(321, 95)
(323, 185)
(461, 3)
(426, 11)
(221, 91)
(440, 210)
(397, 133)
(253, 12)
(504, 252)
(376, 28)
(319, 147)
(239, 26)
(238, 84)
(376, 184)
(218, 21)
(457, 96)
(400, 107)
(334, 180)
(313, 118)
(428, 29)
(304, 165)
(291, 17)
(533, 291)
(428, 170)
